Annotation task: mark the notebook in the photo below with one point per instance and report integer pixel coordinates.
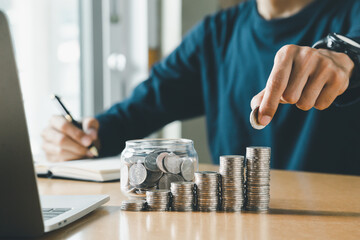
(98, 170)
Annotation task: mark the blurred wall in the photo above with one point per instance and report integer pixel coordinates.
(193, 12)
(228, 3)
(195, 129)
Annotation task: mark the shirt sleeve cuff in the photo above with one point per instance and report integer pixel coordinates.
(111, 143)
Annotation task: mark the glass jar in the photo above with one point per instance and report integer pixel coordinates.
(149, 164)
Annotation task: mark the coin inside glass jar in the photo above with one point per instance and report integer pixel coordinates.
(172, 163)
(150, 162)
(187, 169)
(160, 161)
(137, 174)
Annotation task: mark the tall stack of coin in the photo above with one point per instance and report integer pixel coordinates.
(207, 190)
(258, 178)
(232, 182)
(182, 196)
(158, 200)
(133, 205)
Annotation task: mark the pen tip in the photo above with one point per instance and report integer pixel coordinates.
(52, 96)
(94, 151)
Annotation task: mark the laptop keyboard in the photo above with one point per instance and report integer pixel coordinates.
(49, 213)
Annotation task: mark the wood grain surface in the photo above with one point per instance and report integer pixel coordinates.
(303, 206)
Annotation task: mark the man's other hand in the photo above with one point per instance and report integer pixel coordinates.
(303, 76)
(62, 141)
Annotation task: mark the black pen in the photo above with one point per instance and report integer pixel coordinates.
(67, 115)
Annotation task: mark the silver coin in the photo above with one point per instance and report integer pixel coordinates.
(254, 119)
(133, 205)
(135, 159)
(128, 153)
(160, 161)
(153, 177)
(187, 169)
(172, 163)
(150, 162)
(137, 174)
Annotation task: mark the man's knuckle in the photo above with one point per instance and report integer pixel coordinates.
(338, 78)
(307, 52)
(326, 62)
(327, 68)
(288, 49)
(317, 53)
(290, 97)
(276, 82)
(284, 52)
(321, 106)
(341, 77)
(304, 106)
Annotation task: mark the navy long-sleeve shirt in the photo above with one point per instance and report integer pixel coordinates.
(217, 69)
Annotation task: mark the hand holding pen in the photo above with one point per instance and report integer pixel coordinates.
(66, 139)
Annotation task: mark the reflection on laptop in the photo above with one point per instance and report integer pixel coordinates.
(21, 214)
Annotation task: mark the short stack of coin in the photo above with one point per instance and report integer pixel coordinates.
(207, 183)
(183, 198)
(133, 205)
(232, 182)
(257, 178)
(158, 200)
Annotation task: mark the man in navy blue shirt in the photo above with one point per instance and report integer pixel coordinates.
(258, 52)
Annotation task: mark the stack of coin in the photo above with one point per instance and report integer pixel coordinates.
(158, 200)
(183, 199)
(133, 205)
(207, 190)
(232, 182)
(257, 178)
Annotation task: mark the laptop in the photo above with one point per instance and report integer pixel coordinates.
(23, 213)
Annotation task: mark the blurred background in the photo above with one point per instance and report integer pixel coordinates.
(93, 53)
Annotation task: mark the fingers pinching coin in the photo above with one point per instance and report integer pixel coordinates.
(254, 119)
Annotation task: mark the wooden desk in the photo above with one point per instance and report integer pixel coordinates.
(303, 206)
